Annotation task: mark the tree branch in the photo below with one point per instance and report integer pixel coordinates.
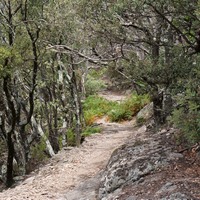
(172, 25)
(64, 48)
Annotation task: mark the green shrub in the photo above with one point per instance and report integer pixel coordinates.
(187, 117)
(93, 85)
(188, 123)
(38, 150)
(128, 108)
(71, 140)
(119, 113)
(37, 155)
(136, 102)
(95, 107)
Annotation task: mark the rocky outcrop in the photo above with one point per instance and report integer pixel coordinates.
(135, 166)
(145, 113)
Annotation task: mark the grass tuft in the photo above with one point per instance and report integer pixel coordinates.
(95, 107)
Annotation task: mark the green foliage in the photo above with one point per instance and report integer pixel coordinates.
(187, 116)
(119, 113)
(95, 107)
(12, 57)
(60, 141)
(98, 73)
(71, 140)
(128, 108)
(93, 85)
(91, 130)
(38, 152)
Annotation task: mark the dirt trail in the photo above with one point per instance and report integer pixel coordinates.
(73, 173)
(113, 96)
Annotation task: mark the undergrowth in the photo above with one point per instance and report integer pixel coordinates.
(186, 117)
(94, 82)
(96, 107)
(128, 108)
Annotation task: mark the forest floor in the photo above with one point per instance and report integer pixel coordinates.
(73, 166)
(75, 173)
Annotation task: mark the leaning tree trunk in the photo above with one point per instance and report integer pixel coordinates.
(37, 128)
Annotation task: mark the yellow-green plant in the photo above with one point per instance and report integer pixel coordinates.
(95, 107)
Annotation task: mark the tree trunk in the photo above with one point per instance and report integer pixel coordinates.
(9, 174)
(64, 130)
(20, 153)
(157, 99)
(78, 108)
(39, 130)
(167, 104)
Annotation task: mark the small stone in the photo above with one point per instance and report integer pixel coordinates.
(131, 198)
(175, 156)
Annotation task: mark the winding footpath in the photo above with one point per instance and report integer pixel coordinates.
(73, 174)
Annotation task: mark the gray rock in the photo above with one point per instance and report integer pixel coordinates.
(177, 196)
(175, 156)
(167, 188)
(145, 113)
(130, 163)
(132, 198)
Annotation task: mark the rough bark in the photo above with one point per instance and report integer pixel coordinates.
(9, 134)
(157, 99)
(38, 129)
(9, 173)
(77, 104)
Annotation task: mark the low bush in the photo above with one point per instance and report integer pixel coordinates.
(71, 140)
(37, 155)
(95, 107)
(119, 113)
(93, 85)
(38, 151)
(128, 108)
(186, 117)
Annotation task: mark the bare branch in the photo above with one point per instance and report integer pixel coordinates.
(66, 49)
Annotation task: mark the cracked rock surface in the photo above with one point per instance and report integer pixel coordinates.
(143, 168)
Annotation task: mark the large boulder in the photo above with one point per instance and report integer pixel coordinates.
(132, 162)
(145, 113)
(148, 167)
